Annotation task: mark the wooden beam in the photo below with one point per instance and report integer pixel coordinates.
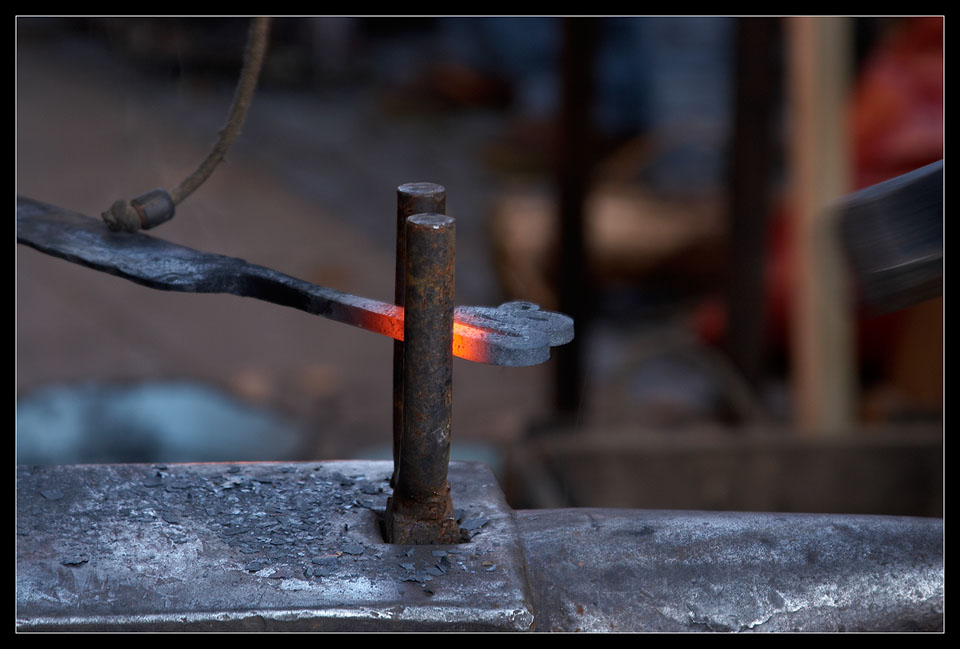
(822, 351)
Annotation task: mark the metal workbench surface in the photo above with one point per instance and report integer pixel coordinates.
(298, 547)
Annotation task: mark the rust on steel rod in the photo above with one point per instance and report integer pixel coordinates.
(412, 198)
(421, 510)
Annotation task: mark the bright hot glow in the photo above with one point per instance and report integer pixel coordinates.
(469, 341)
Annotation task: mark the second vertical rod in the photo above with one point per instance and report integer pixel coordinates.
(412, 198)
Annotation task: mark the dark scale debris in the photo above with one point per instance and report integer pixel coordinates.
(181, 483)
(285, 516)
(170, 517)
(341, 479)
(258, 527)
(285, 572)
(318, 571)
(474, 524)
(51, 494)
(277, 524)
(471, 527)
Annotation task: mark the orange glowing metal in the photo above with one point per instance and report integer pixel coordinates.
(468, 342)
(498, 339)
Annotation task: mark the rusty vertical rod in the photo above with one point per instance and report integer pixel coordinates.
(421, 510)
(412, 198)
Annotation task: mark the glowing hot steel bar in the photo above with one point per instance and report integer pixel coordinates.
(514, 334)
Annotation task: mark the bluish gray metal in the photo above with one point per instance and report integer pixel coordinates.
(482, 334)
(893, 235)
(634, 570)
(298, 547)
(154, 208)
(266, 547)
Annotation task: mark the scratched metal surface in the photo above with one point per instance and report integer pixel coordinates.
(629, 570)
(255, 547)
(296, 547)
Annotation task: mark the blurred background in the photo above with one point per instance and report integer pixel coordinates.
(663, 180)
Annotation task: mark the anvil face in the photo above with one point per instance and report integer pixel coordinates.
(293, 547)
(297, 547)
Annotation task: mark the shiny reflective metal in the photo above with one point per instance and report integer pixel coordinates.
(154, 207)
(298, 547)
(481, 334)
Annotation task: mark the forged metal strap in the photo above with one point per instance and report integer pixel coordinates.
(515, 334)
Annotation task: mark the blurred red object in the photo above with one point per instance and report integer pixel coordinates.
(897, 116)
(896, 127)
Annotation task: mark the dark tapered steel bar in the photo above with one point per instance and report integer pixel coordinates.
(412, 198)
(421, 511)
(517, 334)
